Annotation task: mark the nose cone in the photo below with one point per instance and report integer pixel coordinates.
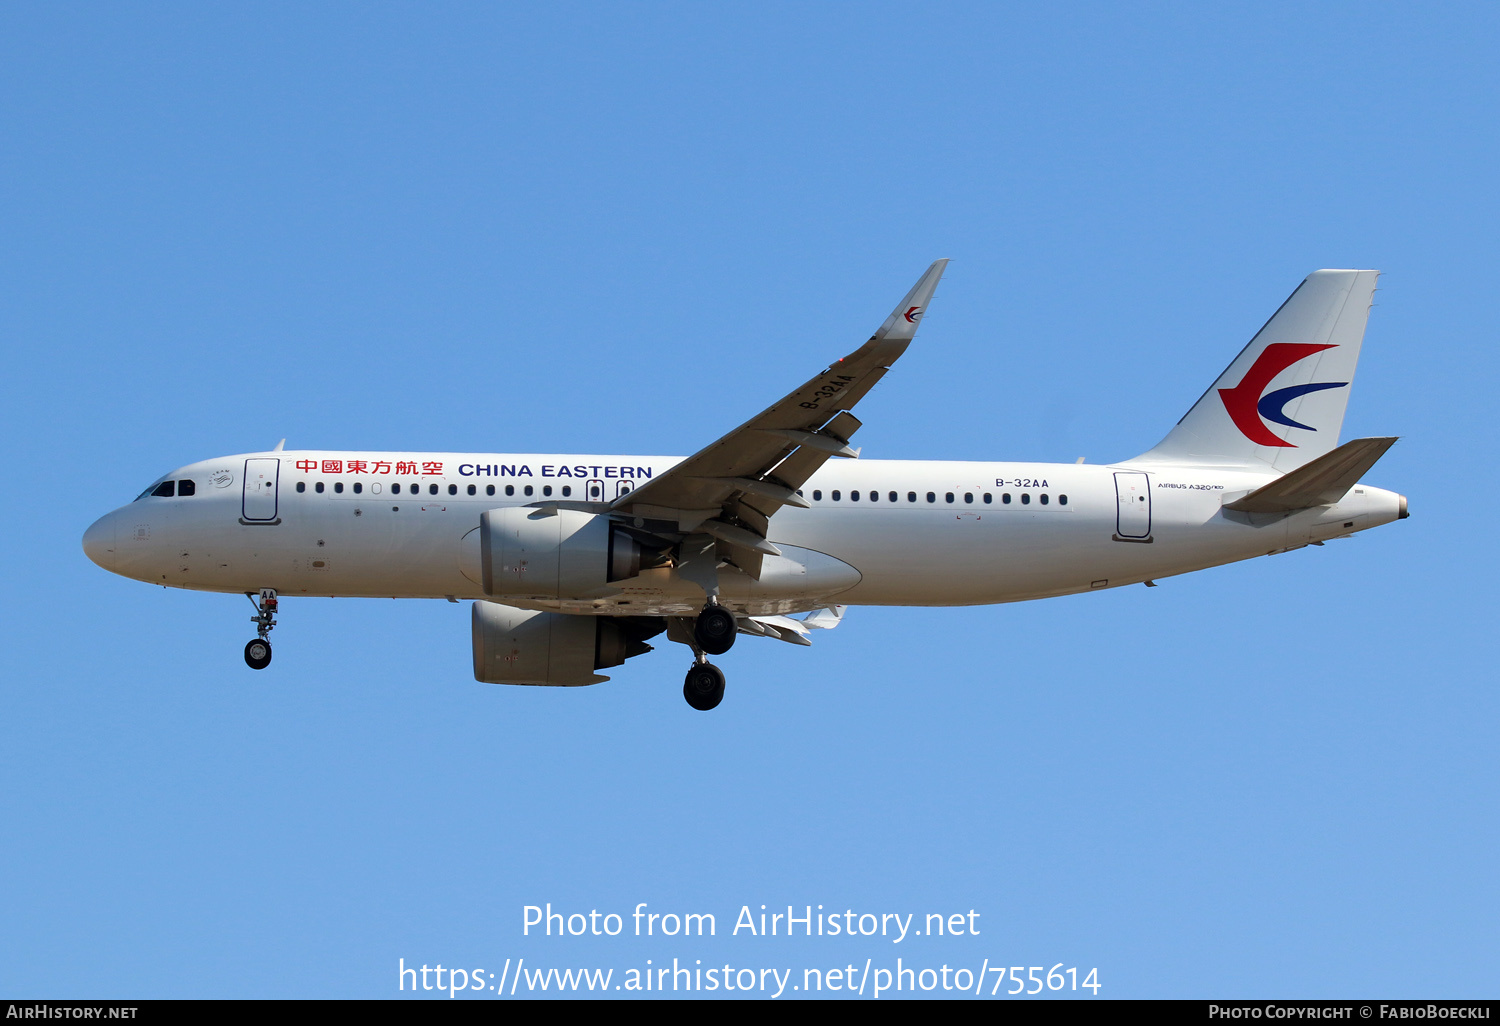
(99, 541)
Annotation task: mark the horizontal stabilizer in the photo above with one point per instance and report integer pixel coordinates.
(1322, 482)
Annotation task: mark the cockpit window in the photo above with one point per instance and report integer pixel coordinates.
(165, 490)
(186, 488)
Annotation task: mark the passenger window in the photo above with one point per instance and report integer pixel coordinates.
(911, 496)
(948, 496)
(490, 490)
(510, 489)
(568, 490)
(835, 495)
(1025, 498)
(472, 489)
(527, 490)
(546, 489)
(358, 488)
(988, 498)
(1005, 498)
(186, 488)
(817, 495)
(1062, 500)
(301, 486)
(853, 496)
(932, 496)
(165, 489)
(893, 496)
(1044, 498)
(318, 487)
(395, 487)
(338, 486)
(431, 489)
(968, 496)
(453, 489)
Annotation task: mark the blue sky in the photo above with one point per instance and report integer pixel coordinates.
(580, 227)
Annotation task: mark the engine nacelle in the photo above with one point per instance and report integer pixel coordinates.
(535, 554)
(520, 646)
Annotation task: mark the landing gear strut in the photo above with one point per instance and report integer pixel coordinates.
(258, 649)
(715, 629)
(704, 686)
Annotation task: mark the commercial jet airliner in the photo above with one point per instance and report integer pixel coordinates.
(574, 562)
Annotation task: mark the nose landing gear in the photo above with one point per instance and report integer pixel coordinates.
(258, 649)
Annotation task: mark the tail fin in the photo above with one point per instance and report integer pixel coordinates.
(1280, 404)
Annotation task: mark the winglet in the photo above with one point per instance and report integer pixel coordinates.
(901, 325)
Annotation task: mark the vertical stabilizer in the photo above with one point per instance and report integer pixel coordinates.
(1280, 404)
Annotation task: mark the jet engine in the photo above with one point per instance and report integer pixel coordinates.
(542, 554)
(520, 646)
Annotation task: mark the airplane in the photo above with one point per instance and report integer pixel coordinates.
(573, 562)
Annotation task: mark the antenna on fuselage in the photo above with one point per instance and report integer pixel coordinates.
(280, 445)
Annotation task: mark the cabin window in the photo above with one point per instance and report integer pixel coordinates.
(1044, 498)
(509, 490)
(1062, 500)
(358, 488)
(817, 495)
(948, 496)
(395, 487)
(968, 496)
(318, 487)
(893, 496)
(453, 489)
(431, 489)
(568, 490)
(301, 486)
(853, 496)
(835, 495)
(988, 498)
(932, 496)
(527, 490)
(911, 496)
(546, 489)
(1025, 498)
(338, 486)
(1005, 498)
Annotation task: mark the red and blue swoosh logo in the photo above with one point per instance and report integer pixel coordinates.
(1247, 404)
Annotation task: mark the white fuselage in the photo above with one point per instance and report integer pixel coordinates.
(879, 532)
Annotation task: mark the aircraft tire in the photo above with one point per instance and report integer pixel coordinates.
(257, 653)
(715, 630)
(704, 687)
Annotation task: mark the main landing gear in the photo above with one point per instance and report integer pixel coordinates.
(715, 628)
(704, 686)
(713, 633)
(258, 649)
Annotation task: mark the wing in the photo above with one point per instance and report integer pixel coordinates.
(732, 488)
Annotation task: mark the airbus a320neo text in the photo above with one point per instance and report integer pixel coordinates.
(574, 562)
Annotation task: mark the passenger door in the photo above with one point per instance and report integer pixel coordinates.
(259, 503)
